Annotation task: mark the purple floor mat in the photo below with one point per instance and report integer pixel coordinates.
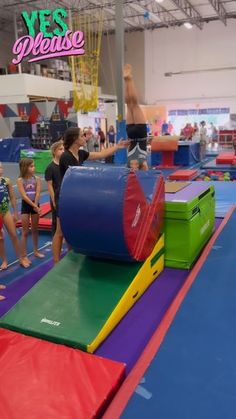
(218, 222)
(128, 339)
(17, 289)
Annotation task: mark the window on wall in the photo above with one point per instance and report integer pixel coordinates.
(180, 117)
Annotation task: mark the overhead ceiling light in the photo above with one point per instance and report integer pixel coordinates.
(188, 25)
(159, 1)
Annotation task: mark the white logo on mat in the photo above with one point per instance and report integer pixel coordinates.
(137, 216)
(51, 322)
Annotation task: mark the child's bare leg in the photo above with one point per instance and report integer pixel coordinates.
(134, 112)
(3, 255)
(57, 242)
(34, 230)
(25, 219)
(11, 229)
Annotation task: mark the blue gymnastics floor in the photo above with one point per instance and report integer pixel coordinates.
(225, 196)
(193, 376)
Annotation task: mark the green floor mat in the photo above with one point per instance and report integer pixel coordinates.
(73, 301)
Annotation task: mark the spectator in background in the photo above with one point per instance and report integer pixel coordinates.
(111, 136)
(164, 128)
(195, 129)
(170, 128)
(187, 132)
(234, 146)
(213, 133)
(102, 138)
(203, 139)
(90, 139)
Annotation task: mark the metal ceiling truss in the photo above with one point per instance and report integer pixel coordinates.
(219, 9)
(111, 10)
(138, 15)
(155, 14)
(190, 12)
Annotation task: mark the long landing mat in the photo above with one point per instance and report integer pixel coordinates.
(194, 373)
(81, 299)
(40, 379)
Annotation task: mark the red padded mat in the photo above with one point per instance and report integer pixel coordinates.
(183, 174)
(39, 379)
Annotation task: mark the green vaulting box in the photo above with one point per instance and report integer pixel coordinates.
(189, 222)
(41, 158)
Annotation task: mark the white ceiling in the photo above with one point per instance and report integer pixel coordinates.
(138, 15)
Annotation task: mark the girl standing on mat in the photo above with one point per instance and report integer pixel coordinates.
(7, 196)
(136, 127)
(29, 187)
(53, 179)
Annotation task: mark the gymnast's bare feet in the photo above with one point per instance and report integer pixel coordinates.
(39, 255)
(24, 262)
(127, 72)
(2, 287)
(3, 265)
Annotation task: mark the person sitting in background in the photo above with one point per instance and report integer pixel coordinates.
(53, 179)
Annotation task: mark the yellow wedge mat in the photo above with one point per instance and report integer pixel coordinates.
(149, 271)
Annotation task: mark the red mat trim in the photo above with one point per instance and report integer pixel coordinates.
(128, 387)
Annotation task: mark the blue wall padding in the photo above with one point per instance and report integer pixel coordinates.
(91, 211)
(10, 148)
(120, 156)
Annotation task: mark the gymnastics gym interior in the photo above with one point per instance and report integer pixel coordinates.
(137, 320)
